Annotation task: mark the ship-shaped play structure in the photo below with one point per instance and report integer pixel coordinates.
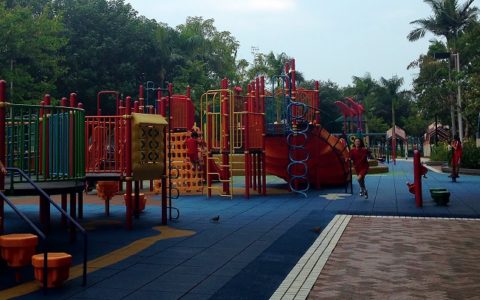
(278, 131)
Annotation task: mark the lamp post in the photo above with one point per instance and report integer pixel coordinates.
(459, 96)
(394, 136)
(448, 55)
(456, 58)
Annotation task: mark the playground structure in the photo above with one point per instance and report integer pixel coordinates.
(52, 150)
(277, 132)
(310, 155)
(234, 126)
(129, 146)
(41, 147)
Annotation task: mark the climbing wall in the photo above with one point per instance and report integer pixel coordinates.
(184, 177)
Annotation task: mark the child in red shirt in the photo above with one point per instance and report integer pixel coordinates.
(456, 158)
(359, 156)
(192, 143)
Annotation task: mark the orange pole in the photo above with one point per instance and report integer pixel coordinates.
(225, 112)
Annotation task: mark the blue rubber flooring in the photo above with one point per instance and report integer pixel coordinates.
(248, 253)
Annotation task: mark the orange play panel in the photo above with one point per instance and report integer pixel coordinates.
(58, 265)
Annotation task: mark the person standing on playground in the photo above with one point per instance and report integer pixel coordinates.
(192, 143)
(456, 157)
(359, 157)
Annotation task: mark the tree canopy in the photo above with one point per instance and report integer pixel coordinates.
(84, 46)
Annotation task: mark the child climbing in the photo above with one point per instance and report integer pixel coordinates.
(193, 143)
(359, 155)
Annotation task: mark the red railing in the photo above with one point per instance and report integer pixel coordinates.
(105, 144)
(255, 129)
(310, 98)
(182, 111)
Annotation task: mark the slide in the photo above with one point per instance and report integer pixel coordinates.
(326, 166)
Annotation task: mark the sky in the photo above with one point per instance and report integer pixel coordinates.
(330, 40)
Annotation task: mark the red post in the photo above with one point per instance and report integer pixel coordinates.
(63, 102)
(71, 162)
(128, 161)
(136, 107)
(46, 100)
(246, 131)
(417, 167)
(80, 195)
(264, 167)
(3, 98)
(160, 103)
(141, 98)
(317, 102)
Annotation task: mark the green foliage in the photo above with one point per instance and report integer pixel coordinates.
(435, 86)
(470, 155)
(63, 46)
(441, 152)
(29, 59)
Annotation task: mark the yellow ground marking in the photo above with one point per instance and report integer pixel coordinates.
(103, 261)
(95, 223)
(334, 196)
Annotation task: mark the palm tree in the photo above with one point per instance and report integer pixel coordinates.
(392, 87)
(449, 20)
(364, 88)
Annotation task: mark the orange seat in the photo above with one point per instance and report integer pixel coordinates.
(58, 265)
(18, 248)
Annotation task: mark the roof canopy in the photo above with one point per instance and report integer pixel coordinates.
(399, 133)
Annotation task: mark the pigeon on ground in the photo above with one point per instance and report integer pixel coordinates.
(317, 229)
(215, 219)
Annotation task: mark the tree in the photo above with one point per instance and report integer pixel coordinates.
(204, 55)
(449, 20)
(432, 86)
(29, 51)
(364, 92)
(110, 47)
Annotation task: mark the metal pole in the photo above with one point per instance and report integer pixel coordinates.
(459, 98)
(452, 107)
(417, 165)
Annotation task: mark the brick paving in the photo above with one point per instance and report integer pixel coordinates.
(403, 258)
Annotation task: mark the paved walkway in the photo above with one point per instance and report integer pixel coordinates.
(249, 252)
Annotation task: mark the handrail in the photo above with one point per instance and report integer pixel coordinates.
(64, 213)
(37, 231)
